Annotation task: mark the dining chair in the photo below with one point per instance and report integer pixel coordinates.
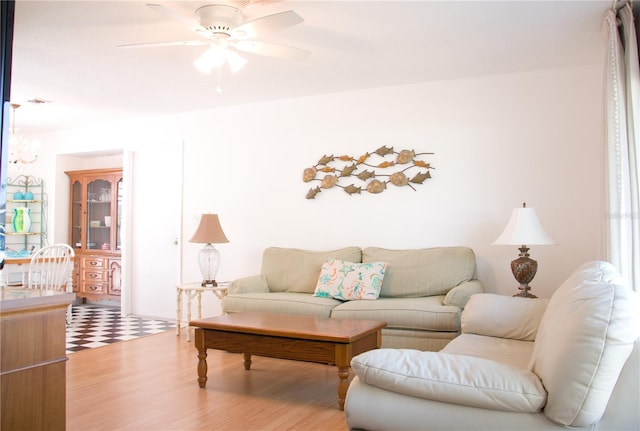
(51, 269)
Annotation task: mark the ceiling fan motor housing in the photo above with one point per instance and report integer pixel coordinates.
(219, 18)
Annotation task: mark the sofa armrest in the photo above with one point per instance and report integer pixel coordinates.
(503, 316)
(459, 295)
(455, 379)
(251, 284)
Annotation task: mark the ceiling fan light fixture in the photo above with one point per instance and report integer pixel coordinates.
(202, 65)
(212, 58)
(235, 60)
(217, 55)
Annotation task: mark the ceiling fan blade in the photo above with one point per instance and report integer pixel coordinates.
(191, 23)
(266, 24)
(271, 49)
(176, 43)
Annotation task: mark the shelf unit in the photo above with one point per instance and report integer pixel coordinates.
(36, 237)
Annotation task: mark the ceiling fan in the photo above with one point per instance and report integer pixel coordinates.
(221, 26)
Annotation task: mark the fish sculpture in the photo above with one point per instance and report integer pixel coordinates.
(369, 168)
(311, 194)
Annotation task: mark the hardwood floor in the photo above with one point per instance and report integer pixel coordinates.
(151, 384)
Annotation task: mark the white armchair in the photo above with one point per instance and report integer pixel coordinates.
(525, 364)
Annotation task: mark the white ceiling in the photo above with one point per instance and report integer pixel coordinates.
(66, 52)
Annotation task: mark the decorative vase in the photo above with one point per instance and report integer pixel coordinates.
(105, 195)
(18, 196)
(28, 196)
(21, 219)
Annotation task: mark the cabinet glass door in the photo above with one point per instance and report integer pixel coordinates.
(98, 219)
(119, 215)
(76, 215)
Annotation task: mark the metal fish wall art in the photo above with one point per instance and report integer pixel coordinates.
(371, 172)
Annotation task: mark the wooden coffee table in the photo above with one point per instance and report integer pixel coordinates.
(287, 336)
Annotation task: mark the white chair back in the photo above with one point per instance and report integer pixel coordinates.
(51, 268)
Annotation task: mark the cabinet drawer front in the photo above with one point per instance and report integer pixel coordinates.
(89, 276)
(89, 287)
(92, 262)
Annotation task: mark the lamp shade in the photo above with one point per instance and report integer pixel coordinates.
(209, 230)
(524, 228)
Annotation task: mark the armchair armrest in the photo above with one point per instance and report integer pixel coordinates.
(503, 316)
(251, 284)
(459, 295)
(454, 379)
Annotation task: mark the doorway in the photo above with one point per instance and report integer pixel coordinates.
(151, 222)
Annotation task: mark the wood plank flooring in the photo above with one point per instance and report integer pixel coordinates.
(151, 384)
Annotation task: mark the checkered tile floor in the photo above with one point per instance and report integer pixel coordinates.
(96, 326)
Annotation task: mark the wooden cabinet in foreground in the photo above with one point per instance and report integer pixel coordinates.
(33, 360)
(94, 232)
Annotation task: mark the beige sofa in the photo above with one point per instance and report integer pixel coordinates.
(520, 364)
(422, 295)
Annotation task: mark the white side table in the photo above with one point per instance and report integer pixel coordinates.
(193, 290)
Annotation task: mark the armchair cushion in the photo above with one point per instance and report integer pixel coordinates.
(503, 316)
(585, 337)
(457, 379)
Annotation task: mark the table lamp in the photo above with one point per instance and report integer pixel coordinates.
(524, 229)
(209, 232)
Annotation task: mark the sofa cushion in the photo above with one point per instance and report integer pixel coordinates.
(425, 314)
(422, 272)
(503, 316)
(457, 379)
(347, 281)
(584, 340)
(294, 270)
(279, 302)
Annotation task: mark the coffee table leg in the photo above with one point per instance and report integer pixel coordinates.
(247, 360)
(343, 385)
(343, 358)
(202, 357)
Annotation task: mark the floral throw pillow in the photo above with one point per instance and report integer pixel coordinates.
(347, 281)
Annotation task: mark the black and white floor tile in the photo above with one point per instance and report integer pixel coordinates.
(96, 326)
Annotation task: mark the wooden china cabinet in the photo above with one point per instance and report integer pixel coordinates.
(94, 232)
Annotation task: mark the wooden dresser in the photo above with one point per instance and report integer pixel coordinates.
(33, 359)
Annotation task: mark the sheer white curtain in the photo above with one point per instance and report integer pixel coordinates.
(622, 87)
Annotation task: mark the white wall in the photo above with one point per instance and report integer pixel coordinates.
(498, 141)
(51, 166)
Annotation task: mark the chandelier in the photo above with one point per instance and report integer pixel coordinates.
(21, 150)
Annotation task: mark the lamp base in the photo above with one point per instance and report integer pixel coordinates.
(525, 294)
(209, 260)
(524, 269)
